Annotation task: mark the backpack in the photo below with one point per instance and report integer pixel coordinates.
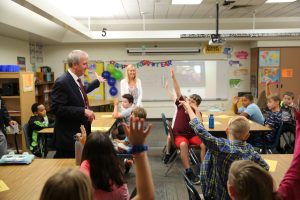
(287, 142)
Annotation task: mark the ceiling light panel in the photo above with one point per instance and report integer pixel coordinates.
(86, 8)
(185, 2)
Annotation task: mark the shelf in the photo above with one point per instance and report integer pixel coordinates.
(39, 95)
(10, 97)
(8, 75)
(47, 91)
(44, 83)
(14, 113)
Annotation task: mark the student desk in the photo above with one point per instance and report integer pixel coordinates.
(103, 122)
(222, 119)
(27, 181)
(101, 105)
(281, 162)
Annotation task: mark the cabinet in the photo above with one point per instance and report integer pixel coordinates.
(19, 102)
(289, 60)
(43, 86)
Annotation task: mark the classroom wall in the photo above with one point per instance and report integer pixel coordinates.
(11, 48)
(55, 55)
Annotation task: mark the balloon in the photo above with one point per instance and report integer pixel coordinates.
(110, 68)
(111, 81)
(117, 74)
(113, 91)
(105, 74)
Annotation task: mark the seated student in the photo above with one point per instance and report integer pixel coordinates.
(286, 106)
(37, 122)
(288, 116)
(262, 186)
(101, 164)
(221, 153)
(249, 109)
(137, 112)
(68, 184)
(127, 105)
(183, 133)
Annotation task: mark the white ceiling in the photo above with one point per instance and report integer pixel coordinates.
(159, 15)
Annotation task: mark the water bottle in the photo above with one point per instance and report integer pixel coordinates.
(78, 150)
(211, 122)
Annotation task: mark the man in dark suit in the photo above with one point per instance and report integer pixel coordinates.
(70, 104)
(5, 120)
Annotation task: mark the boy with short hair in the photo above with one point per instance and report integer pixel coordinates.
(124, 116)
(287, 107)
(183, 134)
(37, 122)
(221, 153)
(249, 109)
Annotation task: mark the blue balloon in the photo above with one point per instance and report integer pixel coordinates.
(105, 74)
(111, 81)
(113, 91)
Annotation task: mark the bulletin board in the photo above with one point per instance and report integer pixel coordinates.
(98, 93)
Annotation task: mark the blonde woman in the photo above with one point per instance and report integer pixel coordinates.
(132, 85)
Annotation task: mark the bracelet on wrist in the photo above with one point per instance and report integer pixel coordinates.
(135, 149)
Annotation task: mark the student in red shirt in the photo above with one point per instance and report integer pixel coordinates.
(183, 133)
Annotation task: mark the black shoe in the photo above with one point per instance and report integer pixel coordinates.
(193, 178)
(167, 158)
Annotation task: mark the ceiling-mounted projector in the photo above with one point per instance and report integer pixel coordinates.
(216, 40)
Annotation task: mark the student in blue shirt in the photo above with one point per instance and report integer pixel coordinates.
(249, 109)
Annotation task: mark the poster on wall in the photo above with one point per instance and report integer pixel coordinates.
(98, 93)
(28, 82)
(269, 58)
(270, 73)
(287, 73)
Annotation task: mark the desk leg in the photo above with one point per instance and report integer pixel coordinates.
(44, 143)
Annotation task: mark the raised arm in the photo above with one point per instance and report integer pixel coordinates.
(116, 113)
(268, 91)
(175, 84)
(137, 136)
(169, 92)
(234, 104)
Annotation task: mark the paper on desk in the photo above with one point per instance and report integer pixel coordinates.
(3, 186)
(272, 164)
(100, 128)
(106, 116)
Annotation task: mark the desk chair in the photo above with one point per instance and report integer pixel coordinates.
(271, 148)
(176, 153)
(193, 193)
(164, 151)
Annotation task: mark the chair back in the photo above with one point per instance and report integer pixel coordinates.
(26, 135)
(170, 131)
(277, 138)
(164, 119)
(193, 193)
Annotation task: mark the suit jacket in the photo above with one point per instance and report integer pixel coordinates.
(68, 107)
(4, 117)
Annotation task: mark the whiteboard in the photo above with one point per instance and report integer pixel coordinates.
(209, 79)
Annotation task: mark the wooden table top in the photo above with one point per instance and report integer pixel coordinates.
(222, 119)
(27, 181)
(94, 102)
(283, 163)
(103, 123)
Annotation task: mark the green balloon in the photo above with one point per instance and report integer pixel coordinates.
(110, 68)
(117, 74)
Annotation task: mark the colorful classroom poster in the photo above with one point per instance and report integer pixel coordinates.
(269, 58)
(97, 94)
(28, 82)
(287, 73)
(271, 73)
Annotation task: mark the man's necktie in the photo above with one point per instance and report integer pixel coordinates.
(86, 100)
